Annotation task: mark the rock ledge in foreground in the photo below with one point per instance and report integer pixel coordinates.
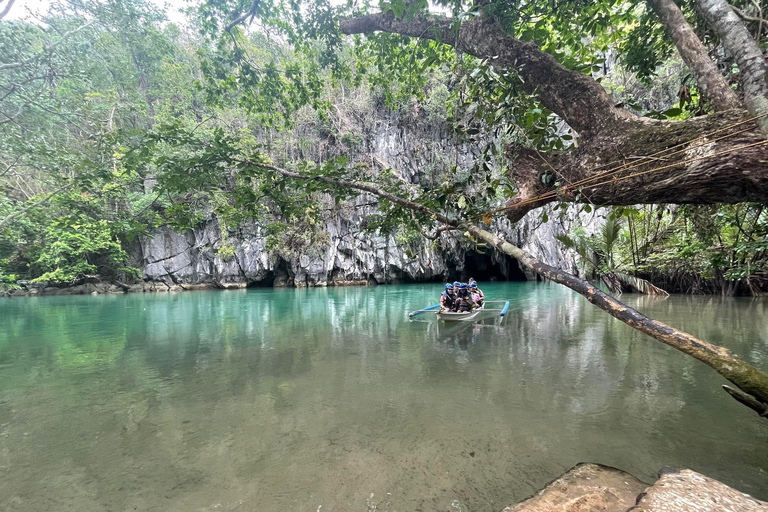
(586, 487)
(594, 487)
(688, 491)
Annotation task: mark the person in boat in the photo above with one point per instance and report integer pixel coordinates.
(447, 298)
(463, 302)
(477, 294)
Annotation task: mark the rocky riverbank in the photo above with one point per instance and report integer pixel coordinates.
(172, 261)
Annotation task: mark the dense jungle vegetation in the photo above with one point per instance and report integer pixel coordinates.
(115, 120)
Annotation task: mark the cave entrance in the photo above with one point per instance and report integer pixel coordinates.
(483, 267)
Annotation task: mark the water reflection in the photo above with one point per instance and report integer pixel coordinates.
(291, 399)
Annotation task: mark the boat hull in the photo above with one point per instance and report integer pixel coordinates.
(450, 316)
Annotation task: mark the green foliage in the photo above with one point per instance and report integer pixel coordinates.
(77, 247)
(711, 249)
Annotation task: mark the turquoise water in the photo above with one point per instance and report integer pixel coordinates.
(331, 399)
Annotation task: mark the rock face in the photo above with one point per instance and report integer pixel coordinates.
(351, 256)
(418, 151)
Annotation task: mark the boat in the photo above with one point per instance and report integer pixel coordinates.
(460, 316)
(477, 314)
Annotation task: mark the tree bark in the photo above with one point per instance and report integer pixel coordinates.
(746, 377)
(731, 170)
(745, 50)
(712, 84)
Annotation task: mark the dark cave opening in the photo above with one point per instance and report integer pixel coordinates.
(267, 282)
(483, 267)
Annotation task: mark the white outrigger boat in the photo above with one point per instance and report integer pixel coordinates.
(465, 316)
(460, 316)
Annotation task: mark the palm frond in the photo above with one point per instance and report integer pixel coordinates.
(610, 234)
(580, 246)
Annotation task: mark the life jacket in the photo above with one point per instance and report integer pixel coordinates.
(463, 301)
(448, 300)
(464, 304)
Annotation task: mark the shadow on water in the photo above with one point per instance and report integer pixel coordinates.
(286, 399)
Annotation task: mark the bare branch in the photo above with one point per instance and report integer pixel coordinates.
(759, 407)
(7, 9)
(249, 14)
(746, 16)
(10, 166)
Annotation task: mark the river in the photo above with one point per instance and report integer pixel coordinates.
(332, 400)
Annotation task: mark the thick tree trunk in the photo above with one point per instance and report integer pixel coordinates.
(712, 84)
(739, 43)
(745, 376)
(689, 169)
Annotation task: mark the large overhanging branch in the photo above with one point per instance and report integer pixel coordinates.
(746, 377)
(720, 158)
(609, 136)
(574, 96)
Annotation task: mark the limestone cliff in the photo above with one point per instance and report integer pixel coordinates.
(418, 149)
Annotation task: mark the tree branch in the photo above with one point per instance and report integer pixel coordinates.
(759, 407)
(574, 96)
(250, 13)
(745, 376)
(714, 87)
(719, 158)
(33, 205)
(7, 9)
(739, 43)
